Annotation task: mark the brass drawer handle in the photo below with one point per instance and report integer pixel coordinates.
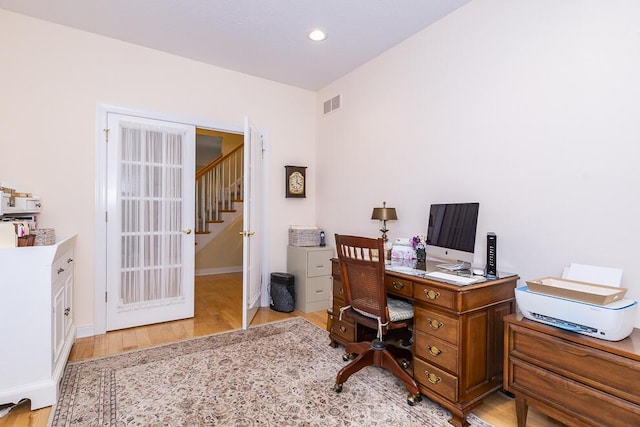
(435, 351)
(431, 294)
(432, 378)
(341, 291)
(398, 285)
(434, 324)
(342, 329)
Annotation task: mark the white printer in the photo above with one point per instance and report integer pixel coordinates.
(611, 319)
(612, 322)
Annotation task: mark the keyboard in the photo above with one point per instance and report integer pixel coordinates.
(458, 280)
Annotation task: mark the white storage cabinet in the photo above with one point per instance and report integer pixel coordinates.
(36, 311)
(311, 267)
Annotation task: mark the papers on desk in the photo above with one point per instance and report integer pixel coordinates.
(458, 280)
(450, 278)
(404, 269)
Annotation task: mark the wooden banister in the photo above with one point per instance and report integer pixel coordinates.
(218, 186)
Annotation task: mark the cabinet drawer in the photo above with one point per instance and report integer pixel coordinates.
(436, 351)
(435, 379)
(319, 263)
(398, 286)
(27, 204)
(613, 374)
(434, 295)
(436, 324)
(318, 288)
(62, 267)
(586, 403)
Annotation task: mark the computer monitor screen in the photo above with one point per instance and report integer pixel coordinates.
(451, 233)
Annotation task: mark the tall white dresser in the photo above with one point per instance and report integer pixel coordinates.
(36, 311)
(311, 267)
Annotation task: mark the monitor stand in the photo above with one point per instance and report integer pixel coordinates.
(460, 265)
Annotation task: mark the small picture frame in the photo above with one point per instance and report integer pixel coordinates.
(295, 181)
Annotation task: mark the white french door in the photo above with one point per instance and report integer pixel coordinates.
(150, 218)
(253, 221)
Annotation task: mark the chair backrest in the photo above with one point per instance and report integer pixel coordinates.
(362, 268)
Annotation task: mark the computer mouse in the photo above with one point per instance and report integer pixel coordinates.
(478, 272)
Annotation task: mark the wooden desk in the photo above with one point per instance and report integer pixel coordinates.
(576, 379)
(458, 336)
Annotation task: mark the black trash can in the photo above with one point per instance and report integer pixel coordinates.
(282, 292)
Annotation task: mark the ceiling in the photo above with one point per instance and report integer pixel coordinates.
(264, 38)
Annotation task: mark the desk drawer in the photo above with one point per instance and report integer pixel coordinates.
(434, 295)
(345, 328)
(338, 289)
(435, 379)
(436, 351)
(436, 324)
(398, 286)
(586, 405)
(613, 374)
(335, 268)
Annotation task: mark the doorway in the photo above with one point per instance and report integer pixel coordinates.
(218, 246)
(102, 211)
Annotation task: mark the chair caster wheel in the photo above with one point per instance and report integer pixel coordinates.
(348, 356)
(405, 364)
(412, 400)
(337, 388)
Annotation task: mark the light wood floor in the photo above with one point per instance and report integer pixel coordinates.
(218, 308)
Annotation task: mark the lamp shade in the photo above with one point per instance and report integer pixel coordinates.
(384, 213)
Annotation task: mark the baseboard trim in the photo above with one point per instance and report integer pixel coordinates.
(85, 331)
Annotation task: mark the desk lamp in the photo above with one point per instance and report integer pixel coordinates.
(384, 214)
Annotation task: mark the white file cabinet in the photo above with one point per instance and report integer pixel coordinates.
(311, 267)
(36, 311)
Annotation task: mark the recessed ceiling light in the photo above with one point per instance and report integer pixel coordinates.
(317, 35)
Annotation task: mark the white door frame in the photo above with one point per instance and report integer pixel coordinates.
(100, 232)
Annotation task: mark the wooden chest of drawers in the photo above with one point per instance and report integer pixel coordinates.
(458, 333)
(578, 380)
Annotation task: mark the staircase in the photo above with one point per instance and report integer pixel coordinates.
(219, 190)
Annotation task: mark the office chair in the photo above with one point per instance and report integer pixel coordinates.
(362, 267)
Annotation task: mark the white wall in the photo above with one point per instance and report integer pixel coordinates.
(531, 108)
(52, 79)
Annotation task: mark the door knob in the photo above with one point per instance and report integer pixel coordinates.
(186, 231)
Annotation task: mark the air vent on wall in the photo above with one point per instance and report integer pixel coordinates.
(332, 104)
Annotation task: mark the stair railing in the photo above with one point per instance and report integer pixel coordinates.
(218, 186)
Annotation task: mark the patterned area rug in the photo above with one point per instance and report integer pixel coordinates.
(280, 374)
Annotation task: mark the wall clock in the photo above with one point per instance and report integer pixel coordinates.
(295, 181)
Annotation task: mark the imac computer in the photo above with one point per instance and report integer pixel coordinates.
(451, 234)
